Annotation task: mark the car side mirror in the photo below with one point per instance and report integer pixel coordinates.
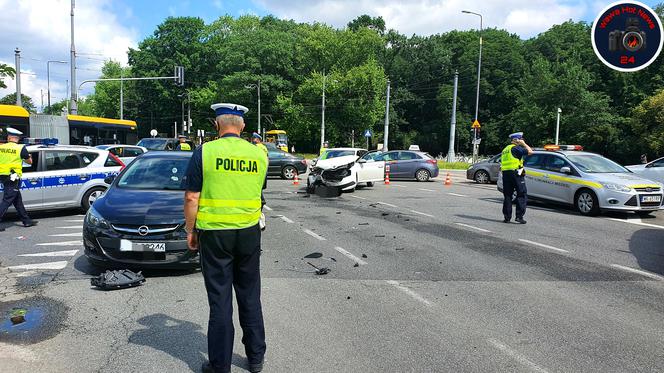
(649, 165)
(361, 161)
(566, 170)
(109, 179)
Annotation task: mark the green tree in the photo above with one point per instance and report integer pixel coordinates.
(26, 101)
(646, 127)
(6, 71)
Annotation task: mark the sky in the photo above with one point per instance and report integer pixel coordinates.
(106, 29)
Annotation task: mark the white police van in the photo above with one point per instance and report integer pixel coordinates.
(65, 176)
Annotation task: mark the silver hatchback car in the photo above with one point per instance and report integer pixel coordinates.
(588, 181)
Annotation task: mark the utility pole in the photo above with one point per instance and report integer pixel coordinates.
(352, 138)
(477, 98)
(17, 58)
(387, 118)
(74, 98)
(558, 124)
(121, 94)
(450, 152)
(259, 106)
(41, 94)
(48, 80)
(322, 117)
(188, 113)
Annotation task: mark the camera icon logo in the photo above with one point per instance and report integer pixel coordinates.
(627, 36)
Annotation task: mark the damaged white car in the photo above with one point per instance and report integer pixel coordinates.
(345, 173)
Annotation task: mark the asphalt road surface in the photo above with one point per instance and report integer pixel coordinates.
(424, 278)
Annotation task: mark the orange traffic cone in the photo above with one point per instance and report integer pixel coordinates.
(448, 180)
(387, 174)
(296, 180)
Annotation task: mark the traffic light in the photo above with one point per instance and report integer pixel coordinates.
(179, 76)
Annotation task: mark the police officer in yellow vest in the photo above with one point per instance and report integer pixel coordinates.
(12, 156)
(325, 146)
(222, 210)
(511, 164)
(183, 144)
(257, 140)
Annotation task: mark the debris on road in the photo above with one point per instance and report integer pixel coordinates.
(320, 270)
(18, 315)
(118, 279)
(363, 224)
(314, 255)
(379, 235)
(338, 212)
(364, 256)
(356, 265)
(384, 213)
(21, 238)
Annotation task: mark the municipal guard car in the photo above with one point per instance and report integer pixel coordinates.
(65, 176)
(588, 181)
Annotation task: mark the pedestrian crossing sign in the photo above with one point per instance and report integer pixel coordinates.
(367, 133)
(476, 124)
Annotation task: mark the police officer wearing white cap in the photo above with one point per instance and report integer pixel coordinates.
(511, 164)
(12, 156)
(222, 211)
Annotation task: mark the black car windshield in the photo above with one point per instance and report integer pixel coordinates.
(155, 173)
(153, 144)
(596, 164)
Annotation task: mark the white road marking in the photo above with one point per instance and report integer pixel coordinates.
(314, 235)
(64, 243)
(74, 221)
(637, 222)
(54, 253)
(399, 186)
(14, 352)
(641, 272)
(544, 246)
(351, 256)
(473, 227)
(49, 265)
(411, 293)
(356, 197)
(421, 213)
(79, 234)
(268, 208)
(515, 355)
(286, 219)
(426, 190)
(387, 204)
(457, 195)
(71, 227)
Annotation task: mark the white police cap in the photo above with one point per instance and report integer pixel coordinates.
(516, 135)
(13, 132)
(229, 109)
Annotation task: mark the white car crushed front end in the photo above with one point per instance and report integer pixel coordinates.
(340, 172)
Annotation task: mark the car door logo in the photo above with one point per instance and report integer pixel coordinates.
(143, 230)
(61, 180)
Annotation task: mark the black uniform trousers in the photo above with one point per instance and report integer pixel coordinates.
(231, 259)
(513, 182)
(12, 196)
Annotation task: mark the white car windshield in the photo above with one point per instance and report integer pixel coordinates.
(595, 164)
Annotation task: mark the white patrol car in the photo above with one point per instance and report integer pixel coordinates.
(588, 181)
(65, 176)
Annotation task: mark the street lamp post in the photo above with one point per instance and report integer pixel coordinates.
(558, 124)
(477, 98)
(48, 80)
(185, 127)
(258, 88)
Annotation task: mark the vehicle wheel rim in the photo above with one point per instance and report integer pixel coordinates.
(421, 175)
(289, 173)
(586, 202)
(94, 195)
(481, 177)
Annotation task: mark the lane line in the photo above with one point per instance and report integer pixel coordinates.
(74, 221)
(314, 235)
(426, 190)
(286, 219)
(411, 293)
(71, 227)
(457, 195)
(49, 265)
(350, 256)
(641, 272)
(516, 356)
(64, 243)
(79, 234)
(421, 213)
(387, 204)
(268, 208)
(474, 227)
(543, 245)
(399, 186)
(54, 253)
(637, 222)
(356, 197)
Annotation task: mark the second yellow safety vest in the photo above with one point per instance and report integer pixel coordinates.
(10, 158)
(233, 174)
(185, 146)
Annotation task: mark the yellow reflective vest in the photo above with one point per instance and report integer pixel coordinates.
(10, 158)
(233, 174)
(184, 146)
(262, 147)
(508, 162)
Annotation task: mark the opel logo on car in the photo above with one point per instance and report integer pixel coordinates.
(648, 190)
(143, 230)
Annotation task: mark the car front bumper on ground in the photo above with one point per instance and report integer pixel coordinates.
(110, 247)
(342, 177)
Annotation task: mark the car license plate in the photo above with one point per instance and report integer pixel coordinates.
(156, 247)
(647, 199)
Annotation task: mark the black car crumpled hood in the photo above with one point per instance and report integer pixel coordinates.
(141, 207)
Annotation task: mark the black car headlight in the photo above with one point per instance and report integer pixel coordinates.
(94, 219)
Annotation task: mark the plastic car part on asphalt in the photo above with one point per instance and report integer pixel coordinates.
(118, 279)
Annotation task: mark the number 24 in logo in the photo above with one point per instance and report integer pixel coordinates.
(624, 60)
